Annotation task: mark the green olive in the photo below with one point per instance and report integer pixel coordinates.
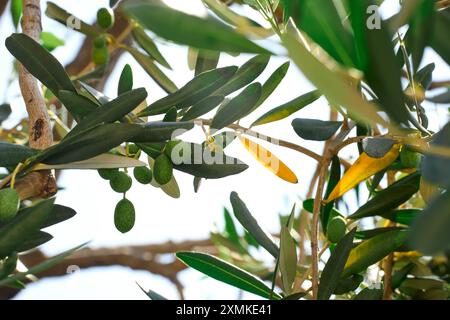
(409, 158)
(108, 174)
(105, 18)
(100, 42)
(162, 169)
(124, 215)
(143, 175)
(100, 56)
(121, 182)
(336, 229)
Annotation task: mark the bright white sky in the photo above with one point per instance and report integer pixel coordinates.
(160, 218)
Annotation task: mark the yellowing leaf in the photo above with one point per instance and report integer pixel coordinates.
(268, 160)
(363, 168)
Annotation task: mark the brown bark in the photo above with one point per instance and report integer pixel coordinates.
(140, 257)
(40, 184)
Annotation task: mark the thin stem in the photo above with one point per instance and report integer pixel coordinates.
(315, 226)
(261, 136)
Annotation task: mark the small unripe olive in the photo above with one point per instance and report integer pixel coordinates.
(100, 42)
(162, 169)
(124, 215)
(9, 204)
(100, 56)
(336, 228)
(105, 18)
(409, 158)
(170, 145)
(143, 174)
(133, 149)
(121, 182)
(108, 174)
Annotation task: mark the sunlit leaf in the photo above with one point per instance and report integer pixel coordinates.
(269, 161)
(373, 250)
(288, 108)
(362, 168)
(203, 33)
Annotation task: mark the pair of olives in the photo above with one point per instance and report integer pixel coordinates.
(100, 53)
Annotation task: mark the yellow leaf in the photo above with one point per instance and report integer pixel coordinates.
(268, 160)
(363, 168)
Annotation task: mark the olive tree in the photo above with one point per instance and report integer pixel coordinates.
(369, 74)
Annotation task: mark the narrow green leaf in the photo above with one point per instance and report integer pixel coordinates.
(318, 130)
(5, 112)
(331, 274)
(89, 144)
(420, 29)
(200, 161)
(11, 154)
(321, 21)
(50, 42)
(373, 250)
(125, 81)
(288, 108)
(378, 61)
(160, 131)
(37, 269)
(237, 107)
(35, 240)
(152, 294)
(206, 60)
(78, 105)
(245, 75)
(439, 41)
(171, 115)
(112, 111)
(230, 227)
(401, 275)
(288, 259)
(348, 284)
(202, 33)
(192, 92)
(402, 216)
(250, 224)
(226, 272)
(367, 234)
(335, 176)
(203, 107)
(39, 62)
(59, 214)
(435, 167)
(146, 43)
(16, 11)
(323, 74)
(272, 83)
(389, 198)
(153, 71)
(429, 233)
(23, 226)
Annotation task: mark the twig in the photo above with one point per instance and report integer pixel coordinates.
(261, 136)
(315, 226)
(41, 184)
